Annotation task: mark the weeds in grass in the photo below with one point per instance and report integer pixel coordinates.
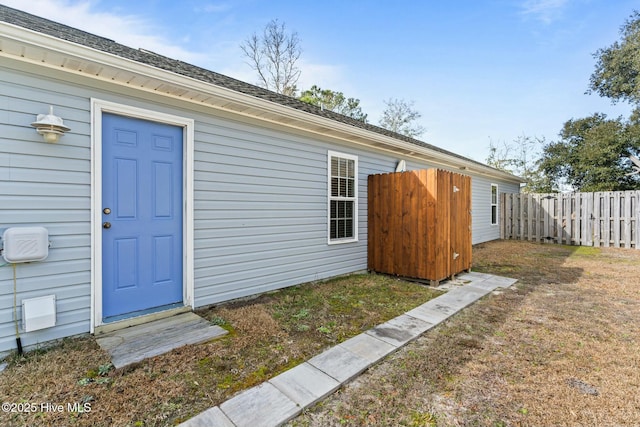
(303, 313)
(422, 419)
(98, 376)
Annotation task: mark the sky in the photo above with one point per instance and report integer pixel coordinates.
(478, 71)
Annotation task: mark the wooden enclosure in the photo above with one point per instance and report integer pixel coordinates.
(419, 224)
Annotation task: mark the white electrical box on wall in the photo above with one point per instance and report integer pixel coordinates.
(25, 244)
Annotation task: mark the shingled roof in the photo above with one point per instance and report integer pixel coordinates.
(74, 35)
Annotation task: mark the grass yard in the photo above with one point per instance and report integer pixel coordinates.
(268, 335)
(560, 348)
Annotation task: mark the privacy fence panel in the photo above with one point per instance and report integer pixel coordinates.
(601, 219)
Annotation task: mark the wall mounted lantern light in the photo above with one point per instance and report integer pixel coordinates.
(51, 127)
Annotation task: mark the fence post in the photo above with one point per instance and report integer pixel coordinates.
(521, 208)
(587, 208)
(515, 216)
(627, 219)
(507, 206)
(535, 226)
(503, 214)
(637, 218)
(560, 213)
(596, 219)
(616, 219)
(546, 217)
(527, 217)
(566, 218)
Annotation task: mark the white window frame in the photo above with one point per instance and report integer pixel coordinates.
(330, 198)
(494, 205)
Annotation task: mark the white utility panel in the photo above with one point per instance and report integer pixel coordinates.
(25, 244)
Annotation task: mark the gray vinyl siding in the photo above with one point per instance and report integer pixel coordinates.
(261, 213)
(260, 200)
(47, 185)
(483, 230)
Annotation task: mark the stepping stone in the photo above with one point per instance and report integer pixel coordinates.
(211, 417)
(305, 384)
(260, 406)
(459, 298)
(340, 363)
(368, 347)
(400, 330)
(503, 282)
(433, 313)
(475, 276)
(487, 281)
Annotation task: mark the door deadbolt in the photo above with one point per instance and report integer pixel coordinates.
(106, 225)
(106, 211)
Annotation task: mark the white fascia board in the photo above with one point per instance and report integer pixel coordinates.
(84, 53)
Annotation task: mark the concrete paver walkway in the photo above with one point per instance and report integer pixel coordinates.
(285, 396)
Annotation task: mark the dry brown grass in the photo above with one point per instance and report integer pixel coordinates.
(268, 335)
(532, 355)
(559, 349)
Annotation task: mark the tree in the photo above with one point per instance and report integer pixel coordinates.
(501, 156)
(617, 73)
(521, 158)
(334, 101)
(274, 55)
(399, 116)
(593, 154)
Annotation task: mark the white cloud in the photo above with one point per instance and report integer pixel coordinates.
(130, 30)
(546, 11)
(323, 75)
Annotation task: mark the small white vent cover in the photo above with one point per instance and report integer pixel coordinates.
(38, 313)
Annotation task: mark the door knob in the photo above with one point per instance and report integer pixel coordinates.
(106, 225)
(106, 211)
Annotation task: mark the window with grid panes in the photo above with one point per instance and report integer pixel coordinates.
(343, 187)
(494, 204)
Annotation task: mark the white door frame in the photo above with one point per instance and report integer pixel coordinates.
(98, 107)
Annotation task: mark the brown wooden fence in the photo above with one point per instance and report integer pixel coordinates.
(419, 224)
(587, 219)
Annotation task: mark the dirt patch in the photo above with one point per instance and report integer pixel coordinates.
(558, 349)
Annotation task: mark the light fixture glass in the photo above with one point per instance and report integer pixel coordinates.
(50, 126)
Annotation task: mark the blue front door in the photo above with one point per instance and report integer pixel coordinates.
(142, 216)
